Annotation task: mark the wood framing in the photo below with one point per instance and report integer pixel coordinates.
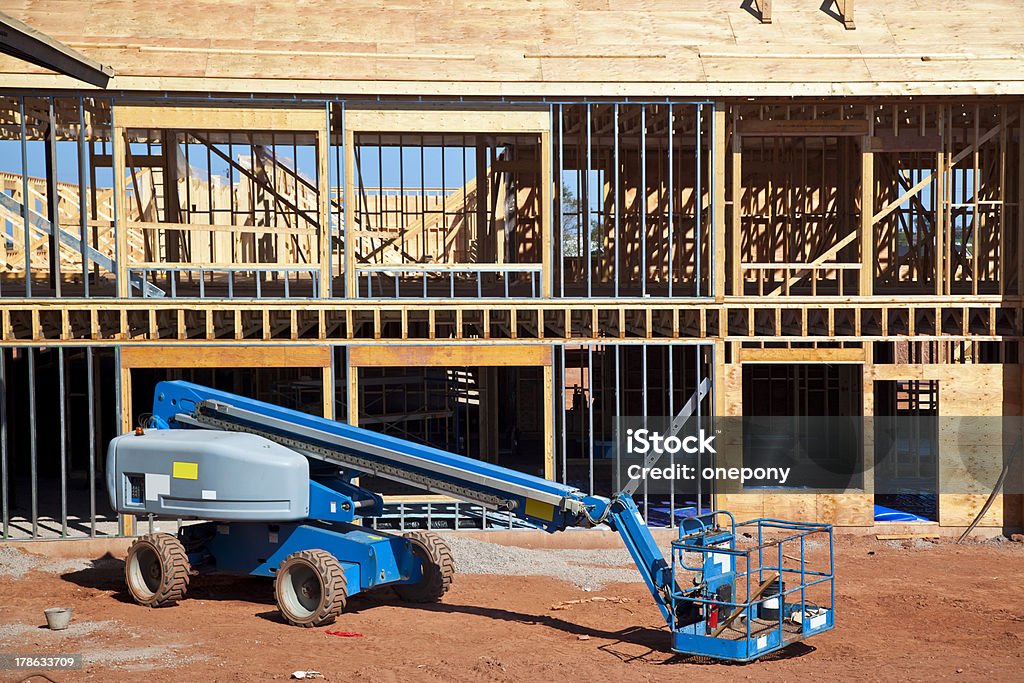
(802, 355)
(448, 356)
(175, 356)
(466, 120)
(437, 119)
(867, 233)
(35, 322)
(361, 356)
(716, 49)
(120, 213)
(720, 237)
(220, 118)
(718, 227)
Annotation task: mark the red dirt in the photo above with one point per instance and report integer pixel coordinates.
(904, 613)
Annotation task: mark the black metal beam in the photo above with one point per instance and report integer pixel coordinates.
(24, 42)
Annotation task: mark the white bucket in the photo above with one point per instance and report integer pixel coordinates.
(58, 618)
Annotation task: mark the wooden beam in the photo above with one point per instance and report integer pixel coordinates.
(449, 356)
(439, 119)
(802, 355)
(803, 127)
(293, 356)
(210, 227)
(221, 118)
(138, 160)
(887, 141)
(904, 537)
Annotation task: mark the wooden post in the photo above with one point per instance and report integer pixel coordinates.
(169, 168)
(846, 10)
(737, 209)
(482, 190)
(940, 220)
(353, 395)
(125, 381)
(718, 200)
(327, 373)
(547, 227)
(489, 400)
(868, 398)
(718, 377)
(549, 423)
(1019, 242)
(350, 241)
(867, 210)
(120, 213)
(323, 170)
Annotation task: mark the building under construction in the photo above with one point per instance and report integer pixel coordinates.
(496, 230)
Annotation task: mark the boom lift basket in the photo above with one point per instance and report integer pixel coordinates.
(741, 600)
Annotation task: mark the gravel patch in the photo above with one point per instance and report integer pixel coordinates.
(75, 629)
(83, 634)
(15, 562)
(141, 658)
(587, 569)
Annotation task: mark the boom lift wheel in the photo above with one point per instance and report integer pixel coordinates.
(310, 588)
(438, 568)
(157, 570)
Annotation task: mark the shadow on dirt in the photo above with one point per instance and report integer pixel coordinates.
(107, 574)
(793, 651)
(654, 641)
(653, 638)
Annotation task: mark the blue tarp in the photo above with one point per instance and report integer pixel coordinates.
(884, 514)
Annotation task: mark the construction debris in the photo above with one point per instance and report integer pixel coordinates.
(597, 598)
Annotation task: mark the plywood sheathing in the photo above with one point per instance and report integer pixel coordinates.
(556, 47)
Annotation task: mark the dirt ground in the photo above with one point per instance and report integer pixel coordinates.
(913, 610)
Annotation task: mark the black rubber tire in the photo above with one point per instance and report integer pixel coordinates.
(310, 588)
(438, 568)
(157, 570)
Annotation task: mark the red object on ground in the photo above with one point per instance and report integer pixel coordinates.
(344, 634)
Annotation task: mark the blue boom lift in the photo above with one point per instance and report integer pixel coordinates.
(279, 490)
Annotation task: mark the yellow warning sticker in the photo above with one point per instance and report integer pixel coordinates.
(185, 470)
(539, 510)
